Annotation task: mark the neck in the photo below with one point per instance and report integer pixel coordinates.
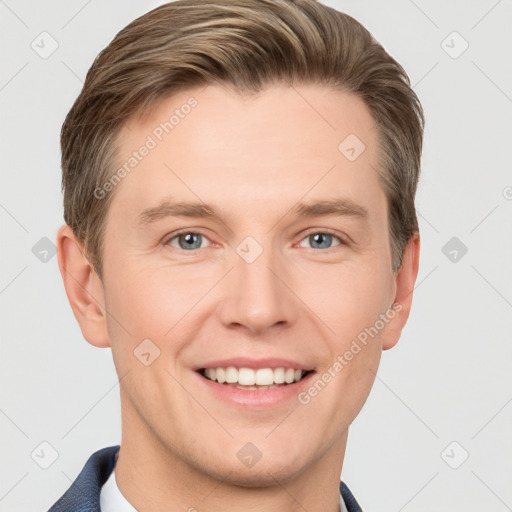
(152, 476)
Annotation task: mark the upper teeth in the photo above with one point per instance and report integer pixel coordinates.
(250, 377)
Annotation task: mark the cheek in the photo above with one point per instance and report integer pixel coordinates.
(350, 302)
(351, 309)
(153, 303)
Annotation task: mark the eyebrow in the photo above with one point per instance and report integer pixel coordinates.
(340, 207)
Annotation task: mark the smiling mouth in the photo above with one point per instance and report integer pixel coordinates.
(254, 379)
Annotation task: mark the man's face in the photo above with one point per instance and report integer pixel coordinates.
(258, 287)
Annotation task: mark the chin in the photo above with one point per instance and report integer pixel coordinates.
(261, 475)
(272, 467)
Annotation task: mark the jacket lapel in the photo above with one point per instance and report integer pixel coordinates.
(84, 493)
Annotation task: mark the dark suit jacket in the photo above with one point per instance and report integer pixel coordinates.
(84, 493)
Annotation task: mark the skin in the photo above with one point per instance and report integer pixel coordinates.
(253, 158)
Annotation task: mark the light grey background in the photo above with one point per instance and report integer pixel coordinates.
(449, 378)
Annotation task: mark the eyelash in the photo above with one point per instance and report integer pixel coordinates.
(313, 232)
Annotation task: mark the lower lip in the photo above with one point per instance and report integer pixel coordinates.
(253, 398)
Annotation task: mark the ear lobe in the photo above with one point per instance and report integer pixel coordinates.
(405, 279)
(83, 287)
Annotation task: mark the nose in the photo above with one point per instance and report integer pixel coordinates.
(257, 295)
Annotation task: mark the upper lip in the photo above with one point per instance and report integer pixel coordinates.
(246, 362)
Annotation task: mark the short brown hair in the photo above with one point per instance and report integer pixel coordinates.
(247, 44)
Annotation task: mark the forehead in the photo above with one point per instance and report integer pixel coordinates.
(215, 145)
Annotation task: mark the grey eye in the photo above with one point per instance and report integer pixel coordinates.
(188, 241)
(321, 240)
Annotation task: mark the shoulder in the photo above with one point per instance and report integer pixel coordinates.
(349, 499)
(84, 493)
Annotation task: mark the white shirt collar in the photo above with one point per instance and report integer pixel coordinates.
(112, 500)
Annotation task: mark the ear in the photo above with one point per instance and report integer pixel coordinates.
(84, 288)
(405, 278)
